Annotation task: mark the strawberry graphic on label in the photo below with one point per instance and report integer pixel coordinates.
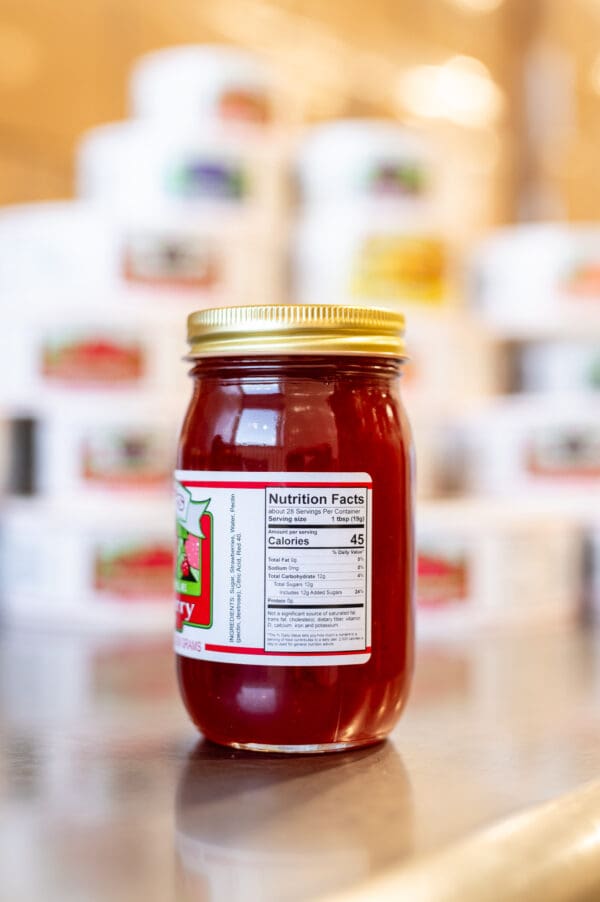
(187, 570)
(192, 551)
(194, 544)
(193, 563)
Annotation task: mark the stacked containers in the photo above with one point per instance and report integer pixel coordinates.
(367, 234)
(214, 84)
(179, 209)
(364, 184)
(539, 281)
(88, 374)
(487, 564)
(536, 289)
(538, 286)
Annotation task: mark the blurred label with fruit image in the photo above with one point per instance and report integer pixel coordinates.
(399, 267)
(567, 451)
(195, 178)
(396, 178)
(170, 261)
(92, 359)
(243, 105)
(193, 563)
(582, 279)
(133, 569)
(442, 575)
(126, 458)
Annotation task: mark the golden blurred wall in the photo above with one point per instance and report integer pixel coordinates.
(63, 68)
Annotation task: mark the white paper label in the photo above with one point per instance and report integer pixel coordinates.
(273, 567)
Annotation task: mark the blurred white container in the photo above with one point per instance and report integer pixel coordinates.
(193, 260)
(363, 159)
(558, 366)
(95, 564)
(204, 84)
(57, 353)
(78, 252)
(59, 249)
(534, 280)
(482, 565)
(536, 444)
(368, 255)
(104, 448)
(450, 358)
(145, 163)
(437, 454)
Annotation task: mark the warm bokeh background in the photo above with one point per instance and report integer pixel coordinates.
(63, 68)
(102, 795)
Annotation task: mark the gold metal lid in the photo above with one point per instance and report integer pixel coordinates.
(295, 329)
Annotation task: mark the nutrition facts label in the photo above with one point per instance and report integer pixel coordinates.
(273, 567)
(317, 554)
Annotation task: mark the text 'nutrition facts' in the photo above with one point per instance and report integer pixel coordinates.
(317, 569)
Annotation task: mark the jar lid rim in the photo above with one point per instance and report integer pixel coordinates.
(296, 329)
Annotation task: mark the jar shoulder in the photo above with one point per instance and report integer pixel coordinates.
(300, 424)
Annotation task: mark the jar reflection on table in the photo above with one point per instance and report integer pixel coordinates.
(252, 828)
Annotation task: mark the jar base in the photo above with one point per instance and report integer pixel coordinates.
(320, 748)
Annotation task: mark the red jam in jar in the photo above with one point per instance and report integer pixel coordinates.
(294, 568)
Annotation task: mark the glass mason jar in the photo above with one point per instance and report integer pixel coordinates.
(294, 570)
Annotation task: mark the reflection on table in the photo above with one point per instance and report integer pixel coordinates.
(108, 792)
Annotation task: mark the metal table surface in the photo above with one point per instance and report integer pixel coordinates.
(108, 793)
